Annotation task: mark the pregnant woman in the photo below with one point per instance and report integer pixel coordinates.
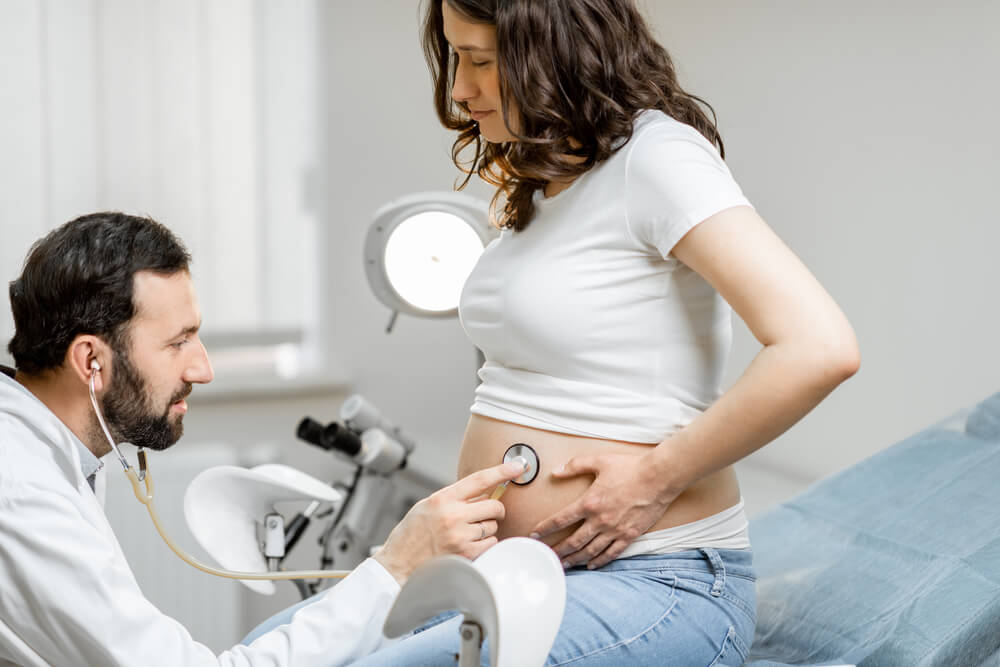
(604, 312)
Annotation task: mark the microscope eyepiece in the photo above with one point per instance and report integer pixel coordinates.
(311, 431)
(333, 436)
(341, 439)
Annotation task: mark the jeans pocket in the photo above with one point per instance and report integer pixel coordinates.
(733, 651)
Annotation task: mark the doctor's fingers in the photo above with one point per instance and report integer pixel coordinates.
(484, 481)
(480, 530)
(483, 510)
(476, 549)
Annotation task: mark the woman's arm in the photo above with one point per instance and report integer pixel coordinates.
(809, 346)
(809, 349)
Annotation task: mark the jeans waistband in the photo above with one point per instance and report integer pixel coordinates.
(718, 562)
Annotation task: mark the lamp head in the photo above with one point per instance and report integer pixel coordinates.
(421, 248)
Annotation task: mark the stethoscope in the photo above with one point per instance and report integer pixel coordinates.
(146, 498)
(95, 368)
(520, 450)
(528, 458)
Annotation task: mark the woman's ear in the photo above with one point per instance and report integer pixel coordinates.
(86, 357)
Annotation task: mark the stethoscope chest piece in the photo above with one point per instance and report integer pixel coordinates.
(529, 455)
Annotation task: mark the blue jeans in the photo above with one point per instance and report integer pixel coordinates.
(689, 608)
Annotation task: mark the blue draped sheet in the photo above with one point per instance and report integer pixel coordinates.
(894, 561)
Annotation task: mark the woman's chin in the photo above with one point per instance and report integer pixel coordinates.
(495, 136)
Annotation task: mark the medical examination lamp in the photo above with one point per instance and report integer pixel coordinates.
(420, 249)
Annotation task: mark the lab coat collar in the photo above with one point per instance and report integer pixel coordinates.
(26, 407)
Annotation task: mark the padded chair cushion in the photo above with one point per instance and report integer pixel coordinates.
(895, 561)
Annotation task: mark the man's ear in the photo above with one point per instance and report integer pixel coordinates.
(87, 354)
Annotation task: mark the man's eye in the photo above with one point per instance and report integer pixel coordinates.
(179, 344)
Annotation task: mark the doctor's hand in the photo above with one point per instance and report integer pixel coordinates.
(622, 502)
(458, 519)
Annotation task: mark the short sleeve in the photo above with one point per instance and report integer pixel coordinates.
(674, 179)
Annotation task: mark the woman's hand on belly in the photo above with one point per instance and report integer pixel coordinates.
(622, 503)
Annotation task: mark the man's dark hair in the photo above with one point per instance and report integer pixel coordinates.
(79, 280)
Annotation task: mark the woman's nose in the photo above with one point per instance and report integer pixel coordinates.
(463, 89)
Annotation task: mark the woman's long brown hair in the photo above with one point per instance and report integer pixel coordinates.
(577, 71)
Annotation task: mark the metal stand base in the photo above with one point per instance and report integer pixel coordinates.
(470, 649)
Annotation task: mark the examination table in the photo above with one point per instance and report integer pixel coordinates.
(894, 561)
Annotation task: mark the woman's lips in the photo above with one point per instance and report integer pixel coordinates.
(479, 115)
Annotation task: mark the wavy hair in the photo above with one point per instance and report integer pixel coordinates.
(577, 72)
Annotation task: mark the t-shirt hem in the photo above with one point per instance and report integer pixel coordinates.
(487, 409)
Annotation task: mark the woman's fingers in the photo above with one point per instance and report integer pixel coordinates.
(579, 539)
(587, 553)
(611, 553)
(561, 519)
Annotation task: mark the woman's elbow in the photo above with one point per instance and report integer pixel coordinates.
(840, 357)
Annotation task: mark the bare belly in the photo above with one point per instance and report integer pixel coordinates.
(487, 439)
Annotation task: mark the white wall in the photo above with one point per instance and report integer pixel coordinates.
(384, 141)
(200, 114)
(863, 133)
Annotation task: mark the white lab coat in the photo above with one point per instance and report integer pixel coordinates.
(68, 597)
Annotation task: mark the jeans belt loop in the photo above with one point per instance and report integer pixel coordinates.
(718, 569)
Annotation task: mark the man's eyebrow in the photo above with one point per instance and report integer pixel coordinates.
(187, 331)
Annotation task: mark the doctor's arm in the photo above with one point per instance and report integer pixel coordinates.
(808, 349)
(69, 596)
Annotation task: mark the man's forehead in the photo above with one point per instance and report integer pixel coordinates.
(160, 295)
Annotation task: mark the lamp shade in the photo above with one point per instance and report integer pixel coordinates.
(223, 505)
(420, 249)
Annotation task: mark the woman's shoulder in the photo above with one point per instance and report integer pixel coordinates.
(654, 122)
(657, 136)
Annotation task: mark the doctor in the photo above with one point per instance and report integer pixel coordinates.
(109, 296)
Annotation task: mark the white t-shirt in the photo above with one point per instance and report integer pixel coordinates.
(588, 324)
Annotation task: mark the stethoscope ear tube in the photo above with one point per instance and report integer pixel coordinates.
(528, 454)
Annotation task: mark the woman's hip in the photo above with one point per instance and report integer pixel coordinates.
(693, 607)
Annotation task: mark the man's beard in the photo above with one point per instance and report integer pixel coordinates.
(129, 412)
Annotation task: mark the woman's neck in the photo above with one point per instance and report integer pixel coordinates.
(552, 188)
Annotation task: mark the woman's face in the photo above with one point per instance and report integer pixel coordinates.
(477, 82)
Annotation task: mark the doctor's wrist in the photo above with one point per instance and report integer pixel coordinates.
(400, 570)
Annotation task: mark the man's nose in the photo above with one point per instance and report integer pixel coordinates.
(199, 371)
